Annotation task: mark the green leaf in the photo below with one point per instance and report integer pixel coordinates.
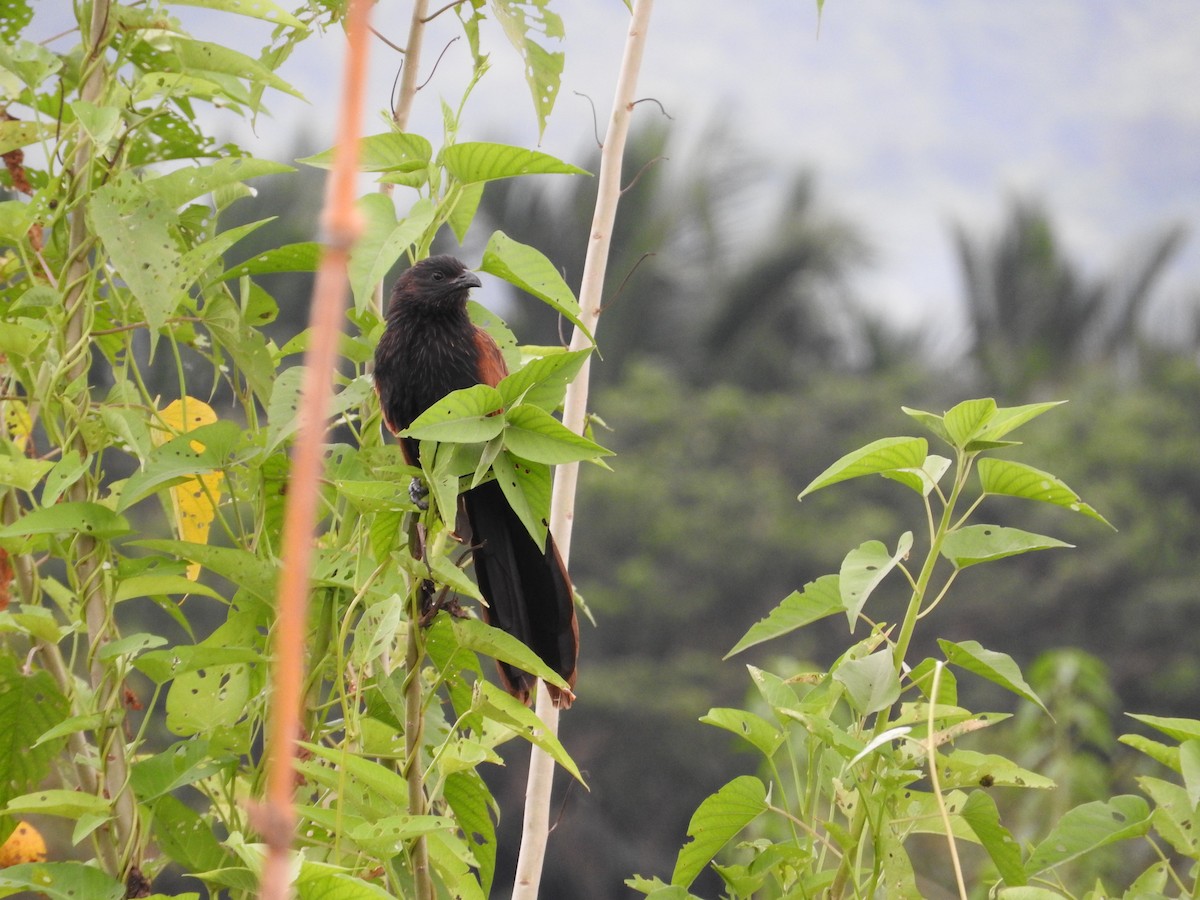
(177, 459)
(528, 269)
(871, 682)
(463, 213)
(181, 764)
(716, 822)
(1174, 815)
(507, 710)
(543, 381)
(382, 242)
(969, 768)
(1014, 479)
(21, 472)
(185, 184)
(476, 161)
(201, 57)
(1006, 419)
(60, 881)
(463, 416)
(388, 152)
(521, 21)
(1159, 752)
(253, 574)
(478, 636)
(752, 728)
(899, 880)
(996, 667)
(304, 256)
(864, 568)
(160, 666)
(30, 706)
(974, 544)
(981, 814)
(1180, 729)
(387, 837)
(933, 422)
(877, 457)
(817, 600)
(207, 699)
(526, 486)
(81, 517)
(258, 9)
(472, 804)
(58, 802)
(186, 838)
(1090, 827)
(965, 421)
(1189, 761)
(924, 478)
(533, 434)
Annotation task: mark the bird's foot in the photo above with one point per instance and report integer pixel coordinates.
(417, 492)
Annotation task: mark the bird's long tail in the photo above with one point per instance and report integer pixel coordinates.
(528, 592)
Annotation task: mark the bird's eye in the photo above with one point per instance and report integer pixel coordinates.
(439, 276)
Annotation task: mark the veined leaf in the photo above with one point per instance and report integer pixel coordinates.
(189, 182)
(389, 152)
(1014, 479)
(817, 600)
(304, 256)
(477, 161)
(968, 768)
(871, 683)
(1174, 816)
(981, 814)
(80, 517)
(477, 635)
(996, 667)
(1089, 827)
(526, 486)
(383, 241)
(1178, 728)
(1009, 418)
(877, 457)
(528, 269)
(521, 21)
(199, 57)
(965, 421)
(60, 881)
(974, 544)
(258, 9)
(864, 568)
(764, 736)
(463, 416)
(532, 433)
(543, 381)
(716, 822)
(508, 710)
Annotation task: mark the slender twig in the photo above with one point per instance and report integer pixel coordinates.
(535, 828)
(341, 226)
(931, 752)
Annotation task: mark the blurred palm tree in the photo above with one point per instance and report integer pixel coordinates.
(708, 274)
(1035, 316)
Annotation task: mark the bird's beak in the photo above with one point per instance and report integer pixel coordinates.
(467, 280)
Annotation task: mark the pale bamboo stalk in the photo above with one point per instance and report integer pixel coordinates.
(536, 825)
(277, 817)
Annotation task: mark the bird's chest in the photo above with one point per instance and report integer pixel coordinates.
(434, 359)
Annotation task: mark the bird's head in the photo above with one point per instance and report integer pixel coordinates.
(439, 282)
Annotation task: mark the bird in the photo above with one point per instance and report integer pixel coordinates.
(429, 348)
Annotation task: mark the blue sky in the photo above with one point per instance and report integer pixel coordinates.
(913, 113)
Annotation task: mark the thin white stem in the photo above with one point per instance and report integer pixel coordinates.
(536, 825)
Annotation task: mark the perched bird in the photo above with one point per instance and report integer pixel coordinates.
(429, 348)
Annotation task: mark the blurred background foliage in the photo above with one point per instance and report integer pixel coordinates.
(737, 363)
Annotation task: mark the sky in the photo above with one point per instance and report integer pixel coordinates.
(914, 114)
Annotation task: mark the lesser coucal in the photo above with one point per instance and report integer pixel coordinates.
(429, 348)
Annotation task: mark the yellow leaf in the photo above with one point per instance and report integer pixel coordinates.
(24, 845)
(17, 422)
(195, 500)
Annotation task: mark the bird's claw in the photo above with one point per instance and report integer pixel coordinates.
(417, 492)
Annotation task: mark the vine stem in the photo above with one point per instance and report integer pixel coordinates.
(277, 816)
(88, 564)
(536, 824)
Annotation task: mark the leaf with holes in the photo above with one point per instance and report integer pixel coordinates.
(60, 881)
(463, 416)
(754, 729)
(864, 568)
(973, 544)
(75, 517)
(981, 814)
(522, 20)
(527, 268)
(819, 599)
(1089, 827)
(30, 705)
(526, 486)
(871, 683)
